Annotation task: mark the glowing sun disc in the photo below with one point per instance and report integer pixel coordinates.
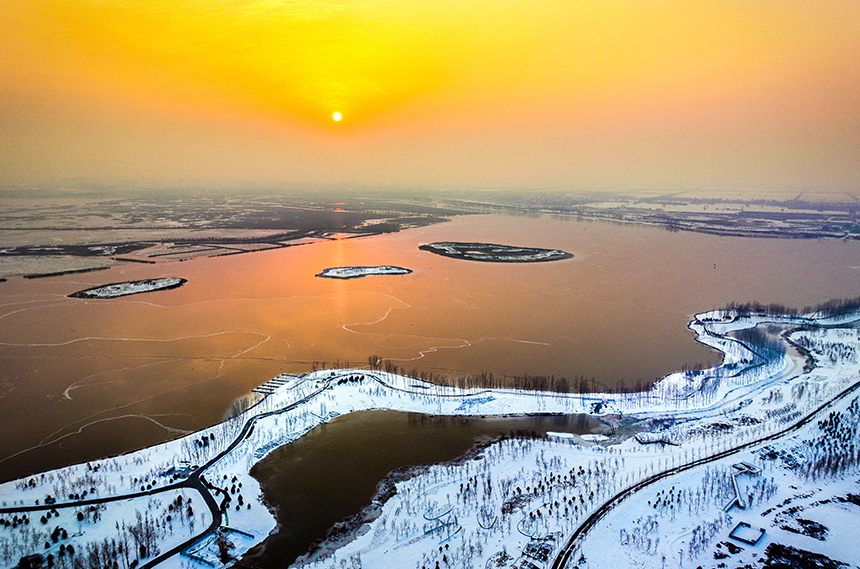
(337, 116)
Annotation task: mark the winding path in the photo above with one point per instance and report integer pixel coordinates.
(195, 481)
(572, 545)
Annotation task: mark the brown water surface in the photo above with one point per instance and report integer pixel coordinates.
(76, 372)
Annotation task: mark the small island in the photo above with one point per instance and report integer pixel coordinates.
(492, 253)
(115, 290)
(359, 272)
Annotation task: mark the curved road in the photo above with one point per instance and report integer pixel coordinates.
(195, 481)
(575, 540)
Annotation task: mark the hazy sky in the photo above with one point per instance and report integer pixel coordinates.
(563, 93)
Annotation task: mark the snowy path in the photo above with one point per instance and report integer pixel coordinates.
(286, 414)
(566, 552)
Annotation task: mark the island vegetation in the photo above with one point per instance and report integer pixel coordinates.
(492, 253)
(358, 272)
(115, 290)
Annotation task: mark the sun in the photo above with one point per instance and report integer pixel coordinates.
(337, 117)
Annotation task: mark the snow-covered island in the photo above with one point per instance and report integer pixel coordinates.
(115, 290)
(492, 253)
(358, 272)
(750, 463)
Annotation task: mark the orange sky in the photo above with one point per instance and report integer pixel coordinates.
(560, 93)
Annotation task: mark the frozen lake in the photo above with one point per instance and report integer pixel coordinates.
(87, 378)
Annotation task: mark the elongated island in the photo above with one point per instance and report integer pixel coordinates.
(358, 272)
(116, 290)
(492, 253)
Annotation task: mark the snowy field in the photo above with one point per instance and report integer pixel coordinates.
(517, 502)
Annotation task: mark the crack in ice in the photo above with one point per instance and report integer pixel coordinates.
(153, 340)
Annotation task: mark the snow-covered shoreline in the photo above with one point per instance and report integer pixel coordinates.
(745, 393)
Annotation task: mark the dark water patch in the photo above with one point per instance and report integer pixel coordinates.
(62, 273)
(333, 472)
(96, 250)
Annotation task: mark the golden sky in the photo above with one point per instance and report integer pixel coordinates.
(545, 93)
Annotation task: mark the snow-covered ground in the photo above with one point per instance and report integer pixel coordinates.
(495, 253)
(358, 272)
(515, 503)
(116, 290)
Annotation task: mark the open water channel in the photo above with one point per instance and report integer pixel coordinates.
(331, 473)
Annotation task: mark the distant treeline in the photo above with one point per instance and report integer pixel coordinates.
(548, 383)
(836, 307)
(851, 207)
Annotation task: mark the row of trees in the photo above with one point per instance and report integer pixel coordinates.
(830, 308)
(768, 346)
(488, 380)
